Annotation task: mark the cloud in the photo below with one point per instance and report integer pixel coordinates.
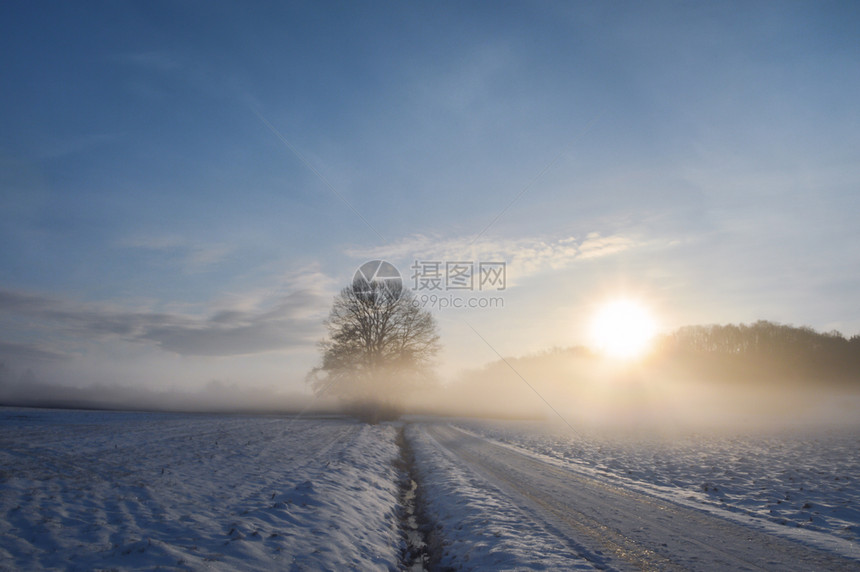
(28, 353)
(596, 246)
(237, 332)
(190, 255)
(292, 320)
(468, 85)
(523, 256)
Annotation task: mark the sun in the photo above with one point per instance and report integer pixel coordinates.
(623, 329)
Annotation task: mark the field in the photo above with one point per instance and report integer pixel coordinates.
(111, 490)
(90, 490)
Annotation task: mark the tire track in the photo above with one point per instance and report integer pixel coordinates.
(623, 529)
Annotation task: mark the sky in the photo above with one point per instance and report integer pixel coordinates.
(184, 186)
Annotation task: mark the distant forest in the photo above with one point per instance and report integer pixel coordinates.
(763, 351)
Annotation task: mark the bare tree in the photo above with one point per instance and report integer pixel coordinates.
(380, 345)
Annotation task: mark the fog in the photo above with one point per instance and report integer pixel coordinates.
(26, 390)
(575, 388)
(659, 394)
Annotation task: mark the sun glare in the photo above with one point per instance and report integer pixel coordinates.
(623, 329)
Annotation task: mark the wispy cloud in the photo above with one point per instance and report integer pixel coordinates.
(468, 83)
(524, 256)
(597, 246)
(28, 352)
(236, 332)
(192, 256)
(290, 321)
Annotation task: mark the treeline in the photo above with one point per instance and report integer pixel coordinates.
(764, 350)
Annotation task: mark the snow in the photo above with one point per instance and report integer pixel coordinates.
(111, 490)
(803, 479)
(92, 490)
(515, 496)
(479, 528)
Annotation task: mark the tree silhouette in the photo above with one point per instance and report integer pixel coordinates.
(380, 345)
(767, 350)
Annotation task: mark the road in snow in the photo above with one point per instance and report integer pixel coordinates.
(805, 479)
(502, 506)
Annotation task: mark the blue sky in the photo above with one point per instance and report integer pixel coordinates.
(174, 176)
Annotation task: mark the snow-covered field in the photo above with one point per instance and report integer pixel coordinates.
(518, 495)
(108, 490)
(801, 478)
(100, 490)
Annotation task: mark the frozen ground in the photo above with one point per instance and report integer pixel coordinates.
(100, 490)
(107, 490)
(800, 478)
(698, 502)
(478, 527)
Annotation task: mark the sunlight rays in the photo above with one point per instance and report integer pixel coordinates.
(623, 329)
